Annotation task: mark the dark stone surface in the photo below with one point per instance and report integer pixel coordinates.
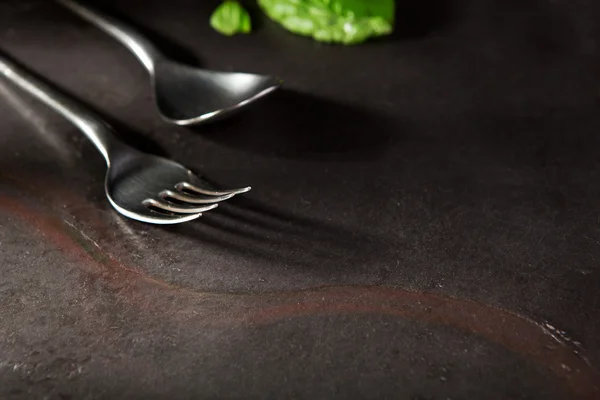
(423, 223)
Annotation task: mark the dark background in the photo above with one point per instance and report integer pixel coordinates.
(423, 224)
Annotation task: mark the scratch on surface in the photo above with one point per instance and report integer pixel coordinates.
(82, 233)
(561, 337)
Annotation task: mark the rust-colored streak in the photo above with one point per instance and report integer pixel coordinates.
(54, 231)
(74, 244)
(518, 334)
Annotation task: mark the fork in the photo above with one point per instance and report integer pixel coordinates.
(140, 186)
(184, 95)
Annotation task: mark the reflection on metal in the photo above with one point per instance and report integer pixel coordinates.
(39, 122)
(134, 180)
(185, 95)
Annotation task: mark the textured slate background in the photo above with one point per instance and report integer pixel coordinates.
(423, 222)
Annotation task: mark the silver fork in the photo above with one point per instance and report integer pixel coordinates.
(184, 95)
(138, 185)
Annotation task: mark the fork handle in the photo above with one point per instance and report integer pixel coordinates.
(86, 120)
(140, 46)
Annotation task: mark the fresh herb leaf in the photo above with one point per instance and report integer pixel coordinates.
(340, 21)
(230, 18)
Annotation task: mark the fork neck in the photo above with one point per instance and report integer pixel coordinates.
(100, 134)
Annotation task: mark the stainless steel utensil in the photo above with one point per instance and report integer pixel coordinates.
(184, 95)
(138, 185)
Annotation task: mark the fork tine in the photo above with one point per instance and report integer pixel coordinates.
(177, 208)
(169, 194)
(181, 186)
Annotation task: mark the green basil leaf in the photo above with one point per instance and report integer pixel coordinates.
(230, 18)
(333, 21)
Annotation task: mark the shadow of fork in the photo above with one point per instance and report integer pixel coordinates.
(273, 236)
